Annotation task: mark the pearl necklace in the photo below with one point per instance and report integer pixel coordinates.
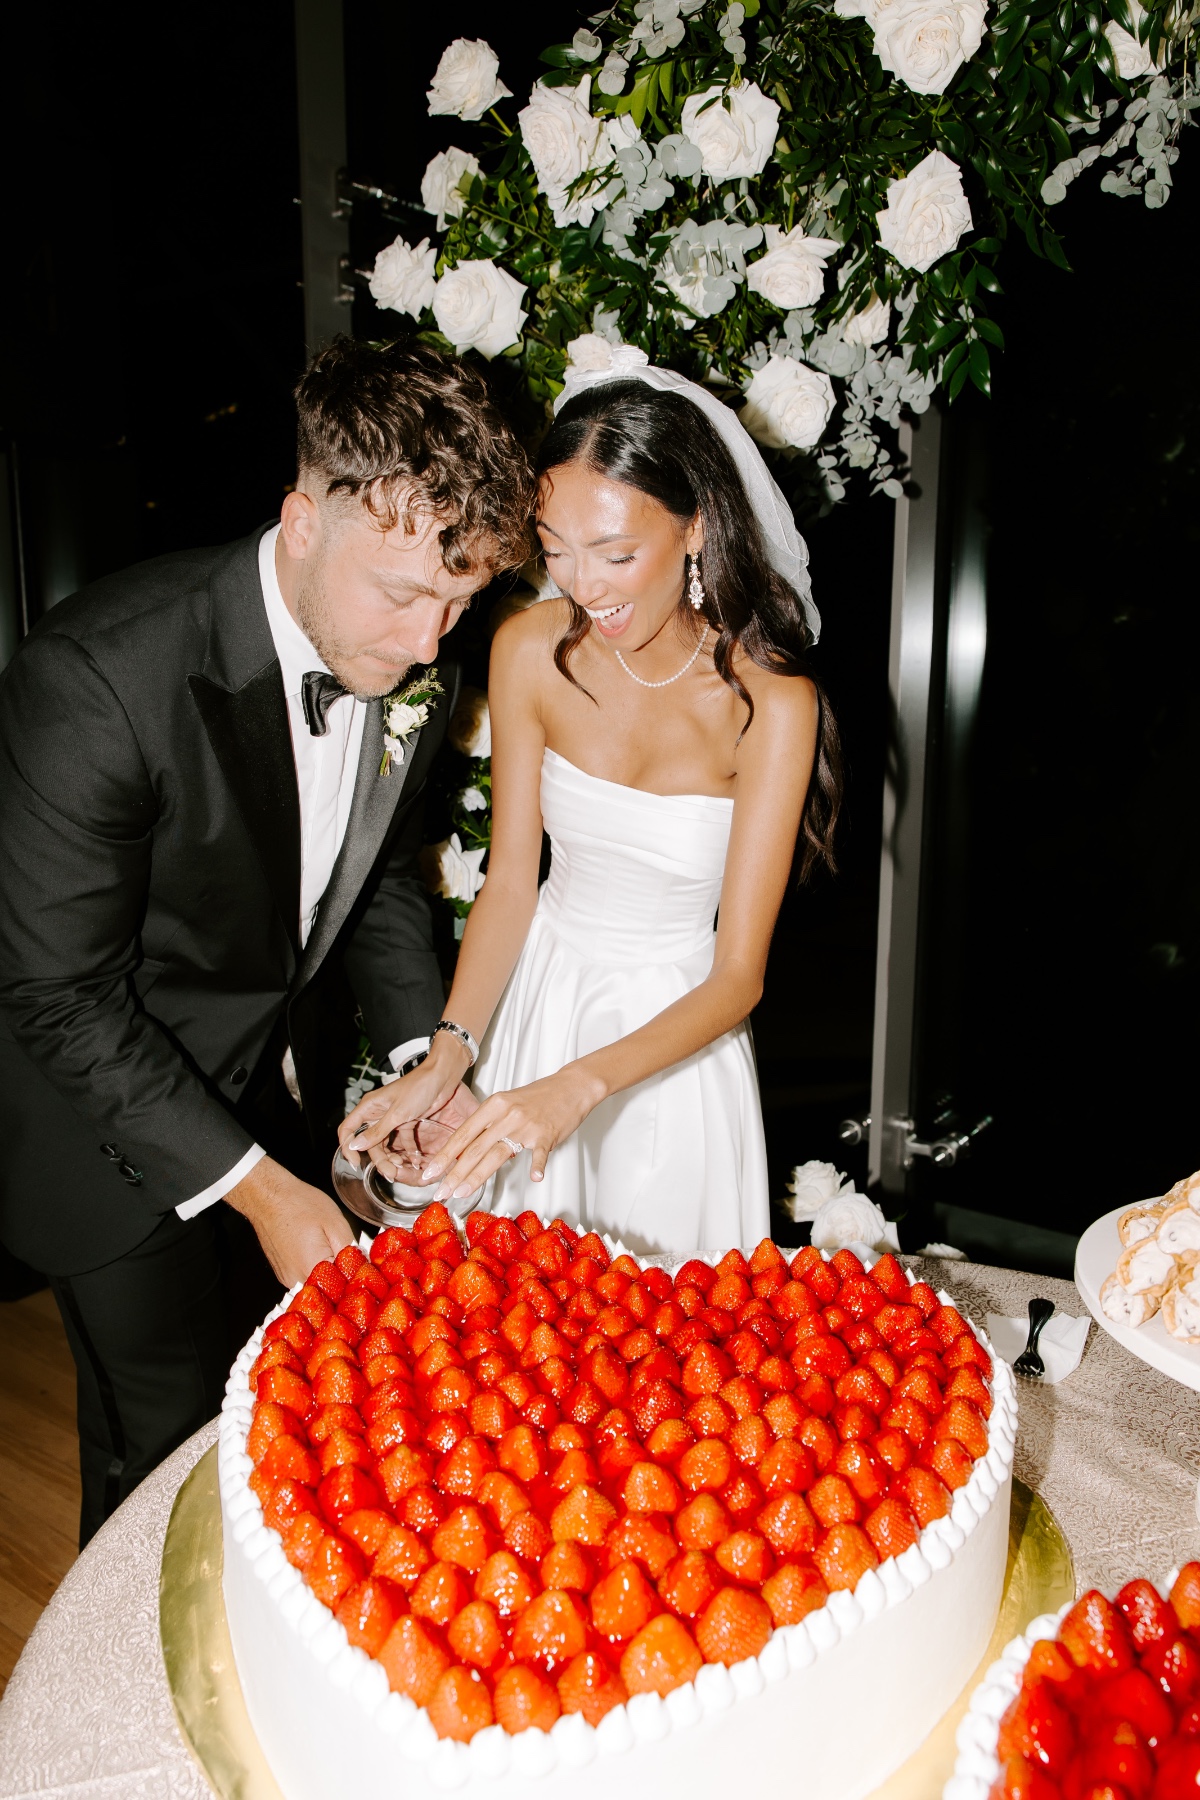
(671, 679)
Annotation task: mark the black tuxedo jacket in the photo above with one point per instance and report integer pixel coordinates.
(150, 900)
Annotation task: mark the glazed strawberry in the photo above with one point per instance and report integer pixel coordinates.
(550, 1631)
(401, 1469)
(1114, 1756)
(793, 1591)
(670, 1441)
(657, 1401)
(1185, 1596)
(788, 1526)
(401, 1557)
(964, 1422)
(891, 1527)
(689, 1583)
(662, 1657)
(505, 1584)
(818, 1436)
(589, 1685)
(460, 1705)
(749, 1440)
(742, 1496)
(1095, 1635)
(528, 1537)
(441, 1592)
(1137, 1699)
(501, 1497)
(867, 1474)
(622, 1602)
(710, 1417)
(585, 1516)
(463, 1469)
(335, 1567)
(787, 1468)
(568, 1566)
(1024, 1780)
(834, 1502)
(783, 1412)
(288, 1458)
(1038, 1727)
(276, 1355)
(369, 1528)
(703, 1523)
(395, 1426)
(844, 1555)
(368, 1613)
(302, 1539)
(925, 1493)
(463, 1538)
(746, 1557)
(311, 1304)
(344, 1449)
(287, 1389)
(285, 1503)
(968, 1384)
(650, 1489)
(474, 1635)
(1148, 1616)
(294, 1329)
(733, 1626)
(523, 1700)
(706, 1371)
(1175, 1666)
(706, 1466)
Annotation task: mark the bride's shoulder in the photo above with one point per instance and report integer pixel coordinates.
(533, 631)
(788, 700)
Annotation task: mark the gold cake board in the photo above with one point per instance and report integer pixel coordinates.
(216, 1727)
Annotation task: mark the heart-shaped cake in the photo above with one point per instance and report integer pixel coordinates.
(518, 1492)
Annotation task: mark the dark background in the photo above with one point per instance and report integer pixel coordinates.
(153, 328)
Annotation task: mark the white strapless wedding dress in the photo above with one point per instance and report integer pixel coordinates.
(625, 926)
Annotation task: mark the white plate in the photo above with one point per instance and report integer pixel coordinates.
(1095, 1260)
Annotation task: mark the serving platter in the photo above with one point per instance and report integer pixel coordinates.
(1095, 1260)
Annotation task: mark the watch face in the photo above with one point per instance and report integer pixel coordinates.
(371, 1197)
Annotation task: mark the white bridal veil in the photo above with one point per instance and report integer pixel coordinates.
(599, 361)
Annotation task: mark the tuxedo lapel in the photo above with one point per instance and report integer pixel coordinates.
(239, 696)
(372, 808)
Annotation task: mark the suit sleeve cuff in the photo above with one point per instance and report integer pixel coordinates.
(187, 1209)
(400, 1055)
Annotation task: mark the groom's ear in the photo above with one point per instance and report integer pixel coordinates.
(300, 524)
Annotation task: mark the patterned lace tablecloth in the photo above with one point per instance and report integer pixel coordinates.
(1114, 1451)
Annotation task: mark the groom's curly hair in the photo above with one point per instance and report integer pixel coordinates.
(410, 432)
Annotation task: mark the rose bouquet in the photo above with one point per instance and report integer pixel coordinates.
(799, 202)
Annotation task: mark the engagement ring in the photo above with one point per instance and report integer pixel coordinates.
(512, 1144)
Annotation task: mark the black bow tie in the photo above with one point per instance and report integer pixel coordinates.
(318, 691)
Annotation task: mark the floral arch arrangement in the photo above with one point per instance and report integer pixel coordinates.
(801, 202)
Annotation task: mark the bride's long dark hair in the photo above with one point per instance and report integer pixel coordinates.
(664, 446)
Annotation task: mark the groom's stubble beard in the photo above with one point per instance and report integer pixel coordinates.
(316, 613)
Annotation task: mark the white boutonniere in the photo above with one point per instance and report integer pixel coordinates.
(406, 712)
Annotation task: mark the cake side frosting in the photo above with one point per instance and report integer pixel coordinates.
(896, 1651)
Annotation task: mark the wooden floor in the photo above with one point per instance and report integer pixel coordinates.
(39, 1467)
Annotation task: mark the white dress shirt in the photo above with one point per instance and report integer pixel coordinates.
(326, 770)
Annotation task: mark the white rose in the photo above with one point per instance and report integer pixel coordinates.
(792, 273)
(478, 307)
(1132, 57)
(563, 140)
(926, 213)
(403, 718)
(464, 82)
(592, 354)
(870, 325)
(813, 1183)
(787, 403)
(451, 871)
(848, 1218)
(402, 279)
(470, 727)
(440, 183)
(926, 42)
(473, 800)
(734, 140)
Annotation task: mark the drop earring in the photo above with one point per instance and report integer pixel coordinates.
(695, 585)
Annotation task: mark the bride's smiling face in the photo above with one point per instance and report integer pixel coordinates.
(616, 551)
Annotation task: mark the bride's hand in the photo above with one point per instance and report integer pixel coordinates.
(537, 1117)
(389, 1123)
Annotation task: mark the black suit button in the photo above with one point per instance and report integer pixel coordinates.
(111, 1151)
(129, 1173)
(239, 1075)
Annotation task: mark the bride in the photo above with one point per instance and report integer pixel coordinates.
(659, 721)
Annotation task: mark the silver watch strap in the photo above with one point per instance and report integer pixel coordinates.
(462, 1034)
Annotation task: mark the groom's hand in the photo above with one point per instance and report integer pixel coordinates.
(297, 1225)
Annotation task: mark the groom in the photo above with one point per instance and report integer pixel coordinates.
(204, 870)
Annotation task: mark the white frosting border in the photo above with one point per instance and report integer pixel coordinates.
(978, 1766)
(571, 1742)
